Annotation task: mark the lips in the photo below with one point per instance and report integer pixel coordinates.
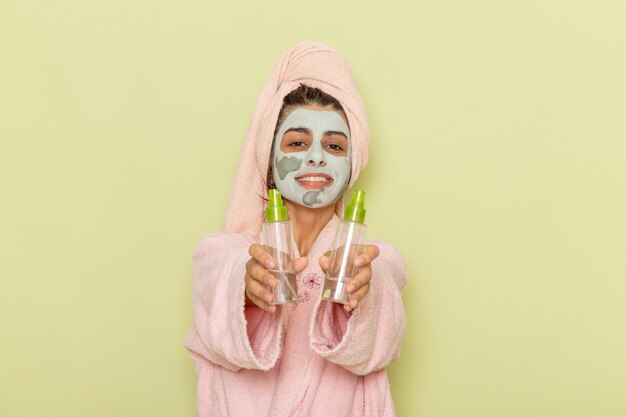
(314, 180)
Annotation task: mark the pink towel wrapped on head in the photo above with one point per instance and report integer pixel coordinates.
(315, 65)
(310, 358)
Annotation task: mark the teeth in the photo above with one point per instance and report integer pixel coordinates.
(314, 179)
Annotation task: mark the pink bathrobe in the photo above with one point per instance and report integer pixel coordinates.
(310, 358)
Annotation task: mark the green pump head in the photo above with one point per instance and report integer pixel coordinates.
(276, 210)
(355, 212)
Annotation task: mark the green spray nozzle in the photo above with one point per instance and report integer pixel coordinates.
(276, 210)
(355, 212)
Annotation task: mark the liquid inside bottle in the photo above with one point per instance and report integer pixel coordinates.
(286, 290)
(347, 246)
(277, 236)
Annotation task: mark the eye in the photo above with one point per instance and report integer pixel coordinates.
(295, 141)
(335, 147)
(335, 143)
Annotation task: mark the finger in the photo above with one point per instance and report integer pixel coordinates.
(358, 296)
(262, 304)
(325, 261)
(370, 252)
(258, 273)
(259, 291)
(363, 277)
(300, 264)
(259, 253)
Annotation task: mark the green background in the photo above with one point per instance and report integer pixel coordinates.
(498, 167)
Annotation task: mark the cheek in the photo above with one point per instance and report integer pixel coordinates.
(341, 166)
(287, 164)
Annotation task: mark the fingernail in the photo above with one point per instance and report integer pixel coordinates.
(353, 303)
(359, 261)
(268, 297)
(350, 288)
(269, 262)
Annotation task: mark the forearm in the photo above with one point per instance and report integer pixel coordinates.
(369, 338)
(225, 330)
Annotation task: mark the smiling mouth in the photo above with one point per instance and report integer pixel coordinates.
(314, 180)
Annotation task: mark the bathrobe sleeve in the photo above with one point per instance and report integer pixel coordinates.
(225, 331)
(367, 339)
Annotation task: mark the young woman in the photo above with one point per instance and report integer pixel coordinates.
(308, 137)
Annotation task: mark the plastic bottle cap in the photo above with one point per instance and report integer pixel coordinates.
(276, 210)
(355, 211)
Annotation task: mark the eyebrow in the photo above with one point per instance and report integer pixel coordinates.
(333, 132)
(298, 129)
(308, 131)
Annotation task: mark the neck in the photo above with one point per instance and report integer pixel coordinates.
(308, 223)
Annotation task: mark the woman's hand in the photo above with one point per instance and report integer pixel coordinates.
(258, 279)
(359, 286)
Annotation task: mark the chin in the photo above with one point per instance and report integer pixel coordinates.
(322, 204)
(314, 206)
(300, 197)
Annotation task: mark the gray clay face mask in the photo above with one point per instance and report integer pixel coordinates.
(314, 176)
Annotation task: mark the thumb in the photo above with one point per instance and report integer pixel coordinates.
(325, 262)
(300, 264)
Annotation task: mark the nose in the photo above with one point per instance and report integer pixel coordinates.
(315, 156)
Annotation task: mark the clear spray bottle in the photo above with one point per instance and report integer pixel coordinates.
(347, 246)
(276, 235)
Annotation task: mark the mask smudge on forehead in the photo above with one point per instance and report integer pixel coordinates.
(287, 164)
(312, 197)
